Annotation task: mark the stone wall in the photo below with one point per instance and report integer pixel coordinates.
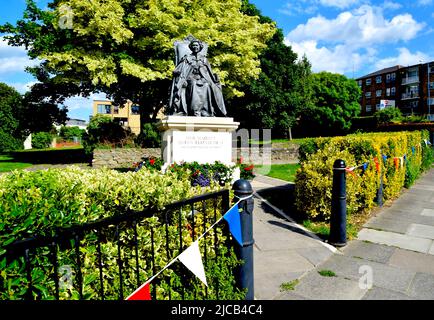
(125, 158)
(258, 155)
(122, 157)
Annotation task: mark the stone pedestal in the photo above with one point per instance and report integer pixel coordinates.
(201, 139)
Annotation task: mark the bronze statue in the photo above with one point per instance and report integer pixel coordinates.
(196, 90)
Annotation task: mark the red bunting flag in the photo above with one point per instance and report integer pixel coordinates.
(396, 160)
(377, 164)
(142, 293)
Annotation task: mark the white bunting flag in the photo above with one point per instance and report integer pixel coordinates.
(192, 259)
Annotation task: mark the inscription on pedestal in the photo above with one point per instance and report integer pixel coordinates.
(203, 147)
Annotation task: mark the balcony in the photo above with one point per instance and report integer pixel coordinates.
(410, 80)
(410, 95)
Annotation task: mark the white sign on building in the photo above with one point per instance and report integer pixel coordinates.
(387, 104)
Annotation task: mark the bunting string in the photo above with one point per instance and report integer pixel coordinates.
(142, 293)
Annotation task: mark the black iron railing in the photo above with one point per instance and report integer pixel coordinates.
(110, 258)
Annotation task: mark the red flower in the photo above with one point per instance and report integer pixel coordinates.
(241, 160)
(249, 168)
(152, 161)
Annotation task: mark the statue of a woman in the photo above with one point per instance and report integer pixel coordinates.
(196, 91)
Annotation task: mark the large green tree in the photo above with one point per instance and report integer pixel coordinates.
(335, 104)
(10, 101)
(280, 93)
(125, 47)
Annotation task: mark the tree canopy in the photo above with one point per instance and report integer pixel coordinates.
(125, 48)
(335, 103)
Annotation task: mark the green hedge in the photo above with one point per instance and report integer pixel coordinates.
(42, 201)
(313, 185)
(52, 156)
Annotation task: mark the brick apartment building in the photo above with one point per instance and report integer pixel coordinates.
(410, 89)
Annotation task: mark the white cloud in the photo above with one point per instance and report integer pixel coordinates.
(404, 58)
(296, 8)
(339, 59)
(364, 26)
(13, 59)
(424, 2)
(352, 39)
(82, 103)
(22, 87)
(341, 4)
(391, 5)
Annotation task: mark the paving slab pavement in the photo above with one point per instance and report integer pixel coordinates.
(392, 258)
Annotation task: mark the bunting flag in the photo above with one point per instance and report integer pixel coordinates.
(192, 259)
(234, 221)
(365, 166)
(351, 170)
(413, 150)
(142, 293)
(396, 161)
(384, 157)
(377, 164)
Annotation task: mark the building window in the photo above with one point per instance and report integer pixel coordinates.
(135, 110)
(368, 108)
(388, 78)
(368, 94)
(377, 106)
(378, 79)
(431, 85)
(393, 76)
(360, 82)
(378, 93)
(388, 92)
(392, 91)
(104, 109)
(368, 82)
(116, 109)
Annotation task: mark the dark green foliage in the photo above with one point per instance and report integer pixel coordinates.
(246, 171)
(310, 146)
(41, 140)
(104, 131)
(335, 103)
(149, 137)
(388, 115)
(204, 174)
(10, 136)
(52, 156)
(428, 157)
(68, 133)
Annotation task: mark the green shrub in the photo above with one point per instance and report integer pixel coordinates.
(68, 133)
(40, 202)
(9, 143)
(104, 131)
(388, 115)
(149, 137)
(41, 140)
(383, 152)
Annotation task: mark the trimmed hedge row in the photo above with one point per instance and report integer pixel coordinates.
(37, 203)
(400, 157)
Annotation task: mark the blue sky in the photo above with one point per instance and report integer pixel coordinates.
(350, 37)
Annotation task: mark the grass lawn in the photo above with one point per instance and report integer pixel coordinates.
(7, 164)
(280, 171)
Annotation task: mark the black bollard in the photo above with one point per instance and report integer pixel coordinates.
(244, 277)
(338, 219)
